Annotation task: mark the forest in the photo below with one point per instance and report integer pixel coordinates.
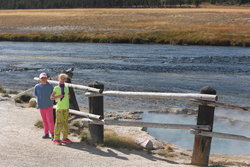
(47, 4)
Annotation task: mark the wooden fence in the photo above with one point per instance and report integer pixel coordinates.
(203, 130)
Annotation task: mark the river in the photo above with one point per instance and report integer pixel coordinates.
(157, 68)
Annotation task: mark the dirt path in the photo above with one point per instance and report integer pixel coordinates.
(21, 146)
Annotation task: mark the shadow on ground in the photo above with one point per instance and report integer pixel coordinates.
(110, 153)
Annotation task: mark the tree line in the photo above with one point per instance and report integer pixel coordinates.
(46, 4)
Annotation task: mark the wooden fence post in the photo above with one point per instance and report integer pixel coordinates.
(201, 149)
(96, 107)
(72, 101)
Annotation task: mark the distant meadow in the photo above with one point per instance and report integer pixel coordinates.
(187, 26)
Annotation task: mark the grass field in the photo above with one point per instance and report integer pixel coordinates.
(196, 26)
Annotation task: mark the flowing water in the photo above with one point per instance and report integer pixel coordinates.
(157, 68)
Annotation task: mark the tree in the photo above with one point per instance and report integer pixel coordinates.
(197, 3)
(180, 2)
(27, 4)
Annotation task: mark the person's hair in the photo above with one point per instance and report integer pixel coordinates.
(63, 74)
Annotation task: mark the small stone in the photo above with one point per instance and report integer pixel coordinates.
(145, 143)
(32, 102)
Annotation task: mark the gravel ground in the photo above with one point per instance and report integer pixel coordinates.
(22, 146)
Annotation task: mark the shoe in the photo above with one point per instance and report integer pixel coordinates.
(52, 136)
(67, 140)
(46, 136)
(57, 142)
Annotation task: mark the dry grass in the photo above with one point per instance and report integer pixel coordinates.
(39, 124)
(228, 163)
(2, 90)
(204, 25)
(168, 151)
(111, 139)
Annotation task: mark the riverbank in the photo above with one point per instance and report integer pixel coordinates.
(202, 26)
(22, 145)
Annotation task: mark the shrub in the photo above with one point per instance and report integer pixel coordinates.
(39, 124)
(111, 139)
(32, 102)
(6, 95)
(13, 92)
(84, 136)
(23, 99)
(2, 90)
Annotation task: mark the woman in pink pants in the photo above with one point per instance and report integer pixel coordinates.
(43, 91)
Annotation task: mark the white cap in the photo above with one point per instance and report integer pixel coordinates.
(42, 75)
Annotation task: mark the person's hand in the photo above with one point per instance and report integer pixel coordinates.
(60, 96)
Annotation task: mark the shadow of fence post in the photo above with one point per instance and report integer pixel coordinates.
(202, 144)
(96, 107)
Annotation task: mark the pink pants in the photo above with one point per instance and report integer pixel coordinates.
(48, 119)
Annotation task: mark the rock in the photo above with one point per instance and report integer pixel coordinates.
(123, 115)
(145, 143)
(3, 98)
(32, 102)
(176, 111)
(135, 112)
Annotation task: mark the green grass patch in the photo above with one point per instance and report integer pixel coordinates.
(186, 37)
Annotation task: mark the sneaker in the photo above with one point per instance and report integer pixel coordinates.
(46, 136)
(57, 142)
(67, 140)
(52, 136)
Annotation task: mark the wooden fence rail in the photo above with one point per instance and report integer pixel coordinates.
(155, 95)
(220, 135)
(145, 124)
(86, 88)
(86, 115)
(221, 105)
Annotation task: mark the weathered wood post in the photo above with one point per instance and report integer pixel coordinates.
(201, 149)
(96, 107)
(72, 101)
